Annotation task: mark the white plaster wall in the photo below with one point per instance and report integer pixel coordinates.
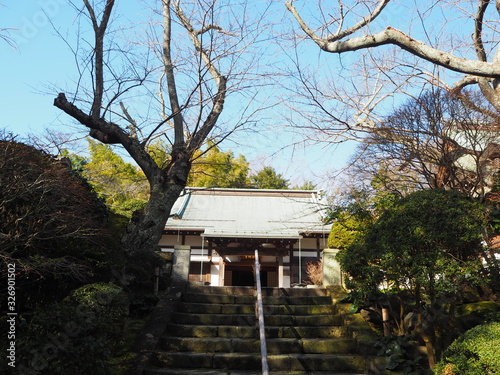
(214, 275)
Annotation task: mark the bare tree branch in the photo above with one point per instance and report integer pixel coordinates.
(99, 32)
(200, 48)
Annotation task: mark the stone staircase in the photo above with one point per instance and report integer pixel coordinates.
(213, 330)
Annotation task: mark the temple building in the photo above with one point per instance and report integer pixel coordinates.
(222, 228)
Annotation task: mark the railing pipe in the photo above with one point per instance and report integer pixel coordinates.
(260, 317)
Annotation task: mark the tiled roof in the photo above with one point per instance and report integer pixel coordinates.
(255, 213)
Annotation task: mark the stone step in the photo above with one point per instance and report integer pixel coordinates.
(245, 290)
(250, 320)
(173, 371)
(250, 299)
(201, 308)
(213, 331)
(276, 362)
(274, 346)
(181, 330)
(214, 319)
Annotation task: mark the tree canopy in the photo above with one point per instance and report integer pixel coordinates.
(268, 178)
(216, 168)
(428, 244)
(122, 185)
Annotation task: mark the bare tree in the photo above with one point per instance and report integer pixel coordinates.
(5, 34)
(452, 44)
(342, 40)
(199, 62)
(433, 141)
(434, 48)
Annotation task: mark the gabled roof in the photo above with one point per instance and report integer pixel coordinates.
(254, 213)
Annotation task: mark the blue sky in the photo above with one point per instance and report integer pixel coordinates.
(41, 65)
(36, 63)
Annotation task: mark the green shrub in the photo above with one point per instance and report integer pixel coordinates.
(140, 269)
(108, 301)
(476, 352)
(474, 314)
(401, 355)
(75, 336)
(62, 339)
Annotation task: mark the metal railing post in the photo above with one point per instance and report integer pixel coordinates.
(260, 316)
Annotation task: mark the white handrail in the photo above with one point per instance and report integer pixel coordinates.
(260, 316)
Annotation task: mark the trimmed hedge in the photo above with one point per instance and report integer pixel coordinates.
(476, 352)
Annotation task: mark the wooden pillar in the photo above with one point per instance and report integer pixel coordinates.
(222, 270)
(280, 272)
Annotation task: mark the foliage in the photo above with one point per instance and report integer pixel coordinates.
(268, 178)
(314, 271)
(343, 233)
(160, 152)
(306, 185)
(354, 213)
(122, 185)
(77, 162)
(474, 353)
(105, 300)
(74, 336)
(427, 234)
(400, 355)
(122, 359)
(424, 248)
(142, 304)
(140, 269)
(54, 227)
(215, 168)
(493, 235)
(63, 338)
(473, 314)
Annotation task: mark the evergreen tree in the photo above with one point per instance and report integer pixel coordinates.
(216, 168)
(122, 185)
(267, 178)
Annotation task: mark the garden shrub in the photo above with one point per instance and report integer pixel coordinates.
(75, 336)
(106, 300)
(61, 339)
(473, 314)
(401, 355)
(476, 352)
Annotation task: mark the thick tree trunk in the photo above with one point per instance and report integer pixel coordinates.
(427, 335)
(146, 226)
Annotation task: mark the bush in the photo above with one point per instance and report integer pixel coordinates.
(476, 352)
(314, 271)
(75, 336)
(62, 339)
(53, 227)
(107, 301)
(401, 355)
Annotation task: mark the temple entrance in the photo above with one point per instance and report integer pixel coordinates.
(239, 275)
(243, 275)
(243, 278)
